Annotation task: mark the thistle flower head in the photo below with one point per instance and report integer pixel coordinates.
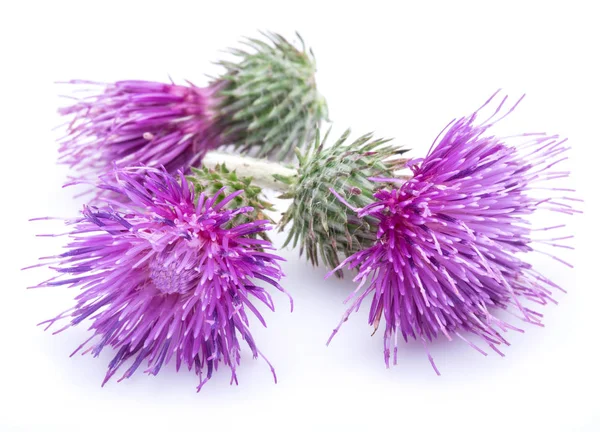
(269, 100)
(450, 240)
(266, 102)
(139, 123)
(325, 228)
(166, 276)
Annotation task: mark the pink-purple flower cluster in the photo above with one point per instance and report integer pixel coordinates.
(132, 123)
(450, 240)
(165, 275)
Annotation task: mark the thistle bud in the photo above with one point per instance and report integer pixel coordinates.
(269, 100)
(324, 227)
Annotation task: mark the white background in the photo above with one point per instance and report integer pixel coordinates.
(401, 70)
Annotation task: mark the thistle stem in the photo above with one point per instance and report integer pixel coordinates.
(262, 171)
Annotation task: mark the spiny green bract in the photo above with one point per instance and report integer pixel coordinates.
(211, 180)
(324, 227)
(269, 101)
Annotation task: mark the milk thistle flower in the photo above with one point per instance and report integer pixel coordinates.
(166, 275)
(450, 241)
(266, 102)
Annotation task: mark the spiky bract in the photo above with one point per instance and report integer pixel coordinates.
(211, 180)
(269, 101)
(325, 228)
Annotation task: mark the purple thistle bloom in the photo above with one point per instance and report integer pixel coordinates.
(140, 123)
(447, 254)
(166, 275)
(265, 102)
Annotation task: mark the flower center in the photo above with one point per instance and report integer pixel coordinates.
(170, 277)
